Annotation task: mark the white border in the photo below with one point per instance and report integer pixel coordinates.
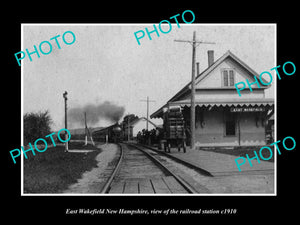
(141, 24)
(22, 112)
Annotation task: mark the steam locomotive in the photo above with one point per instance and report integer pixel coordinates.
(112, 134)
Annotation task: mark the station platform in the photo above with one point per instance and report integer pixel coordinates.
(218, 164)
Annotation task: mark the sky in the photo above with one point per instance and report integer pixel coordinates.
(105, 63)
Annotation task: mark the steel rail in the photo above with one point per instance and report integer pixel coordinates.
(106, 187)
(183, 183)
(191, 166)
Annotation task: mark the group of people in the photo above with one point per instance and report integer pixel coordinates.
(151, 137)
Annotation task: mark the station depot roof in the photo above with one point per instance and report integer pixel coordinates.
(259, 102)
(228, 102)
(178, 98)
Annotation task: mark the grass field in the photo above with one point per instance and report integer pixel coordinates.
(54, 170)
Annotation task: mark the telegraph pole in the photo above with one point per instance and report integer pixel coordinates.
(147, 109)
(192, 121)
(128, 128)
(86, 129)
(66, 121)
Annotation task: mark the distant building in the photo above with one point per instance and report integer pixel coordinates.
(136, 126)
(223, 118)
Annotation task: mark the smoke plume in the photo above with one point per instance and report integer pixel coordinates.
(94, 113)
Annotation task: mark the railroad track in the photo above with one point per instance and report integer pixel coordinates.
(140, 172)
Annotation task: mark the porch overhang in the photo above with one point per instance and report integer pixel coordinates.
(259, 102)
(226, 102)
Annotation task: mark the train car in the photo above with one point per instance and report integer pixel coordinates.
(112, 134)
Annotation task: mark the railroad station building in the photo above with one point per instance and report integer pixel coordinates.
(223, 118)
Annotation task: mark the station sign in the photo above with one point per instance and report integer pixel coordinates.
(248, 109)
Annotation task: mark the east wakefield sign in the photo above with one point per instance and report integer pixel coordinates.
(248, 109)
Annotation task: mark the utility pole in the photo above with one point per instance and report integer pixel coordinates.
(86, 129)
(66, 121)
(192, 121)
(128, 128)
(147, 109)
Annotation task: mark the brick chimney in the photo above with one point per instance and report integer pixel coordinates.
(210, 54)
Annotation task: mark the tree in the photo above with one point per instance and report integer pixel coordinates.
(130, 117)
(36, 125)
(124, 124)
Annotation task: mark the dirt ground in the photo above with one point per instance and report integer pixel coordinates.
(246, 184)
(92, 181)
(253, 183)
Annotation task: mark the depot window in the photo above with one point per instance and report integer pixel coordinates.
(228, 78)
